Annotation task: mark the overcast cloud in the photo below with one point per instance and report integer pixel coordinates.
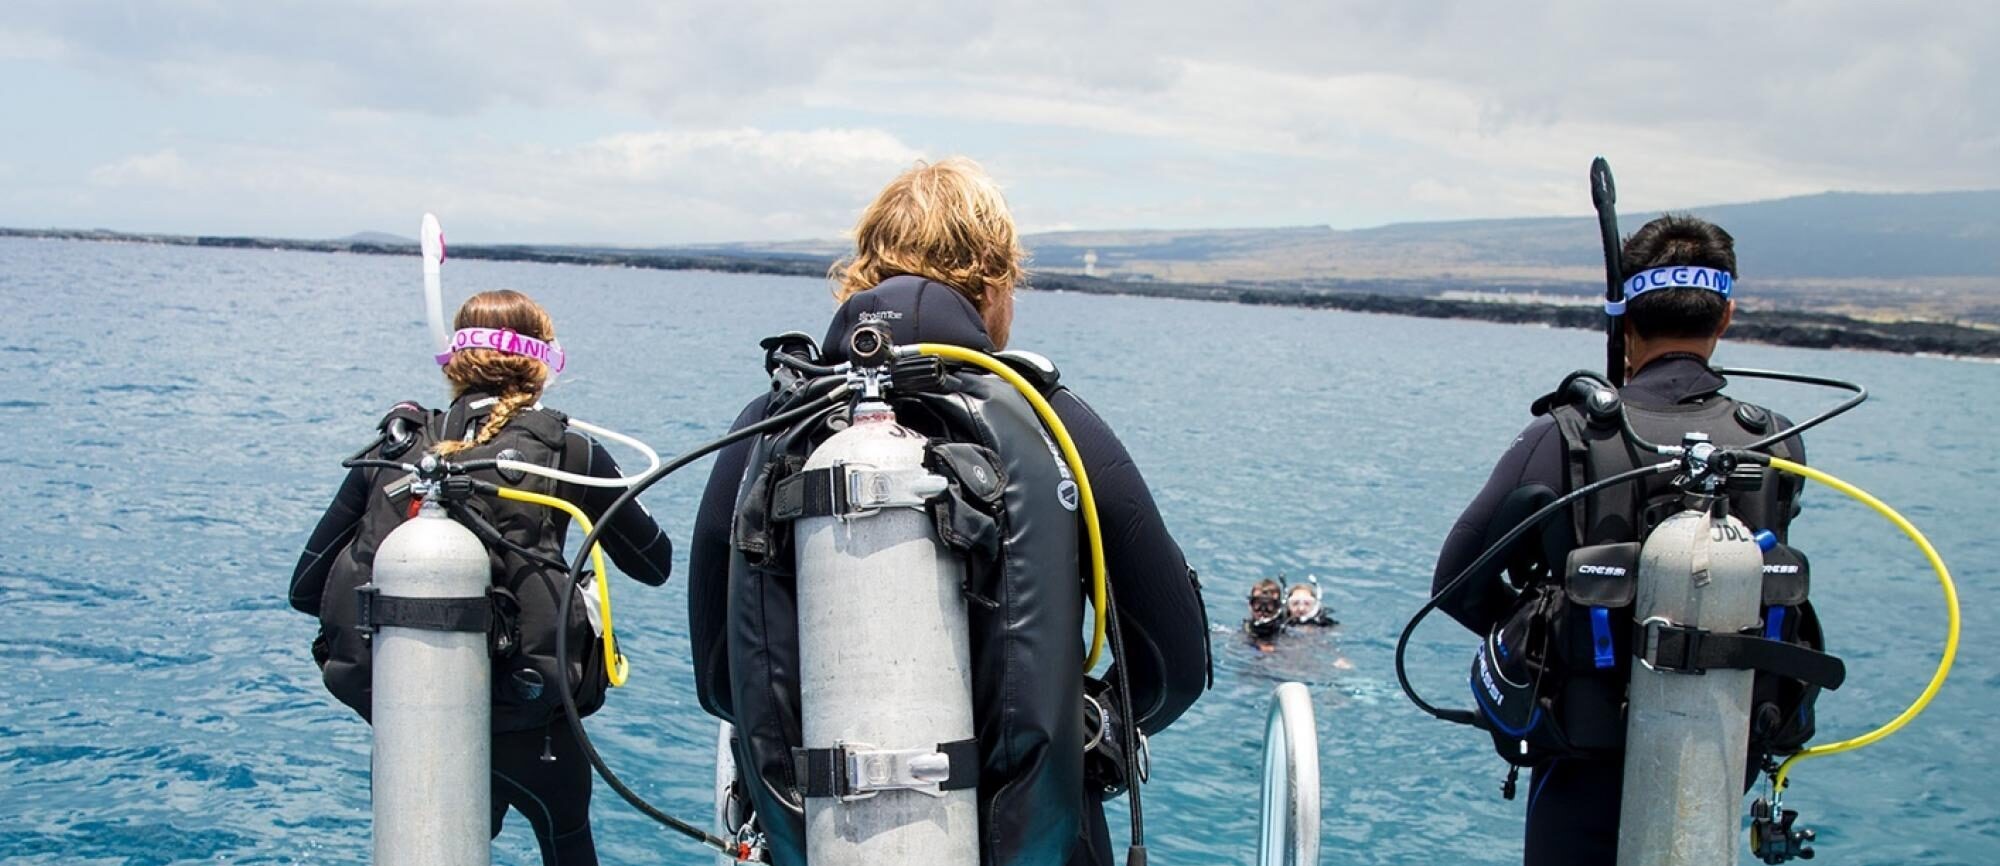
(709, 121)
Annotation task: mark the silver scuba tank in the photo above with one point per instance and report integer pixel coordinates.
(1687, 731)
(885, 668)
(433, 703)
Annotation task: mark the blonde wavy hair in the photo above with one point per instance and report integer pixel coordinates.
(947, 222)
(516, 380)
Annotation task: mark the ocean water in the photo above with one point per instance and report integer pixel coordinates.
(179, 415)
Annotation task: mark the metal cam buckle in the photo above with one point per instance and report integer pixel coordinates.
(1649, 654)
(1650, 646)
(870, 490)
(870, 771)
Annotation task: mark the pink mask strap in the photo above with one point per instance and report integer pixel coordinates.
(506, 342)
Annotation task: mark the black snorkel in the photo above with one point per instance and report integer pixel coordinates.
(1604, 196)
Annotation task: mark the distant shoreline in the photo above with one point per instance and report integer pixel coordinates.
(1775, 327)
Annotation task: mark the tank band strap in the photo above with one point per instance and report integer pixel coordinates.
(856, 771)
(471, 613)
(842, 490)
(1662, 646)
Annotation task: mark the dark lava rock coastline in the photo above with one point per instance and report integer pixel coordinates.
(1778, 327)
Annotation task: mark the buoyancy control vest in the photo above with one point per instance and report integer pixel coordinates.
(1019, 539)
(524, 673)
(1560, 660)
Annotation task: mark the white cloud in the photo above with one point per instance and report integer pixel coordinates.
(635, 187)
(163, 170)
(770, 116)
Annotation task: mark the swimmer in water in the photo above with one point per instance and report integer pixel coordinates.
(1267, 611)
(1303, 608)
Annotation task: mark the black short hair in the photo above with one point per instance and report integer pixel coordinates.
(1677, 239)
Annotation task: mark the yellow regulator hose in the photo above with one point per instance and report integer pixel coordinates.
(1085, 497)
(1781, 778)
(616, 670)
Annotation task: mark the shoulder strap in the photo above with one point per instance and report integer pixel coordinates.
(1036, 368)
(546, 425)
(404, 426)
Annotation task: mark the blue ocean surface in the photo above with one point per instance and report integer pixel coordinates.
(179, 414)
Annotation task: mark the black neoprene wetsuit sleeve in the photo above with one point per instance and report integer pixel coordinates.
(634, 540)
(1162, 618)
(1535, 459)
(335, 528)
(708, 561)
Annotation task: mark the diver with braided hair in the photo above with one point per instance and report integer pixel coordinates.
(497, 376)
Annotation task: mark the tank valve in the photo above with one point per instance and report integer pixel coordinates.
(1772, 838)
(870, 345)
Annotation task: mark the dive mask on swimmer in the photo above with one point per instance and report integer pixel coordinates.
(1267, 614)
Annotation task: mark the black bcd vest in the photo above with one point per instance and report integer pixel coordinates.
(524, 674)
(1563, 655)
(1023, 599)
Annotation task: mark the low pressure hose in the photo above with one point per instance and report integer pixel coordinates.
(652, 461)
(1781, 778)
(616, 668)
(1086, 498)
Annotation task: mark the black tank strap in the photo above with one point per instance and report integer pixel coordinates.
(468, 613)
(810, 493)
(1663, 646)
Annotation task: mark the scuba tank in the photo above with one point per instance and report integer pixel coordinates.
(1687, 736)
(433, 697)
(890, 760)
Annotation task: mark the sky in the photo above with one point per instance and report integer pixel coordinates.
(740, 120)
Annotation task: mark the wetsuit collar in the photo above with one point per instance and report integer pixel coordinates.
(1676, 377)
(469, 411)
(916, 310)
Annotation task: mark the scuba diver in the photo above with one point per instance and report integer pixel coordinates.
(1303, 608)
(1267, 610)
(505, 356)
(936, 263)
(1684, 270)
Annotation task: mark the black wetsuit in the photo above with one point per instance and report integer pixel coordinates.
(553, 795)
(1573, 803)
(1165, 625)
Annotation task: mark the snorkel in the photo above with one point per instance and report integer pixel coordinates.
(1604, 196)
(431, 241)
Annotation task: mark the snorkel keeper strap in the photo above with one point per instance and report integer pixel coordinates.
(1672, 277)
(505, 341)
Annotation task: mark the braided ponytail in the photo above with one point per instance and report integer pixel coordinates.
(517, 380)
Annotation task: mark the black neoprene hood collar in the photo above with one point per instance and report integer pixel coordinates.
(916, 310)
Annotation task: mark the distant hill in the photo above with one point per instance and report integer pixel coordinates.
(1927, 254)
(1837, 235)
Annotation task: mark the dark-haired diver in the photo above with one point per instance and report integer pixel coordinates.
(1679, 275)
(1267, 611)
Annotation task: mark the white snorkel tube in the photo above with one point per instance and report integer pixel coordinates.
(431, 240)
(445, 341)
